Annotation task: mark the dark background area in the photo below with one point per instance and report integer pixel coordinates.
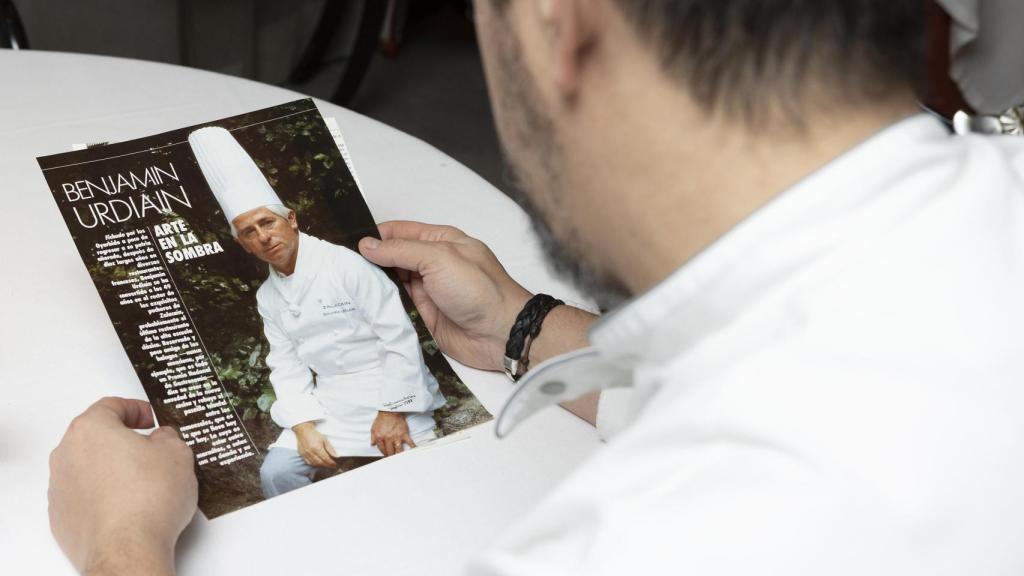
(422, 74)
(435, 90)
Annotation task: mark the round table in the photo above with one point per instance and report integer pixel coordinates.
(423, 512)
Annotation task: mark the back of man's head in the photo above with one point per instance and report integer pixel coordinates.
(713, 106)
(748, 55)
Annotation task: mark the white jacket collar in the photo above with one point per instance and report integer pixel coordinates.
(757, 256)
(766, 249)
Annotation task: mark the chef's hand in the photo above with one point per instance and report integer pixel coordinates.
(390, 432)
(119, 499)
(462, 292)
(314, 447)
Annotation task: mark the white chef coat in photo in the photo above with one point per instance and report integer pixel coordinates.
(341, 318)
(836, 386)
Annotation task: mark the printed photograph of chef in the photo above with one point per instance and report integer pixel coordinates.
(345, 361)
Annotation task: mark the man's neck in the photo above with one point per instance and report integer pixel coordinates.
(679, 184)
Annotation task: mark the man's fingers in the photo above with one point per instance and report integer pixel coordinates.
(324, 455)
(308, 458)
(330, 448)
(409, 230)
(408, 440)
(313, 459)
(424, 303)
(320, 458)
(127, 412)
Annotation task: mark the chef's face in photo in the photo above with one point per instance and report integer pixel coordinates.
(269, 237)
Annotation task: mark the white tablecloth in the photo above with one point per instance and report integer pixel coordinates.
(423, 512)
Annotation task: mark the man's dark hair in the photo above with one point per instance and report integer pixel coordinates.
(745, 55)
(752, 56)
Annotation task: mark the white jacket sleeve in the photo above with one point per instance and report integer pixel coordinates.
(405, 387)
(290, 377)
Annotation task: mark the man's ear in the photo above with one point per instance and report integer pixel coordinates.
(293, 220)
(571, 32)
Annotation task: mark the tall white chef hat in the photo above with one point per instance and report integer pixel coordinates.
(235, 180)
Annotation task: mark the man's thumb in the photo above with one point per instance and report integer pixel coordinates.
(164, 433)
(411, 255)
(369, 243)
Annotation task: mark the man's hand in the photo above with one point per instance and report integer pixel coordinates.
(469, 302)
(314, 447)
(462, 292)
(390, 432)
(119, 499)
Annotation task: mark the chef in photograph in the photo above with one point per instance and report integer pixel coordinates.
(345, 361)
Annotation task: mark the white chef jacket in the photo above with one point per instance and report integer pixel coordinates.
(340, 317)
(836, 386)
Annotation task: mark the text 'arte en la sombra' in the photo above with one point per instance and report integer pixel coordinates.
(153, 191)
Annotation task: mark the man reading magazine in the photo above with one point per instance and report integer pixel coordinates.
(822, 324)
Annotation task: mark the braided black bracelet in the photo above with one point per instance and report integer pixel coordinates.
(524, 331)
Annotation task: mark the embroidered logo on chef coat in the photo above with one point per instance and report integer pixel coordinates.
(401, 402)
(337, 308)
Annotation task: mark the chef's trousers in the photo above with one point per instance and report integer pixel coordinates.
(284, 470)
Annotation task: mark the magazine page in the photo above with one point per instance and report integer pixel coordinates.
(225, 255)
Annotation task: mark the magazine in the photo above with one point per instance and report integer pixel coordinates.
(225, 255)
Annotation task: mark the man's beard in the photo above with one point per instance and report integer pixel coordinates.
(532, 133)
(562, 260)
